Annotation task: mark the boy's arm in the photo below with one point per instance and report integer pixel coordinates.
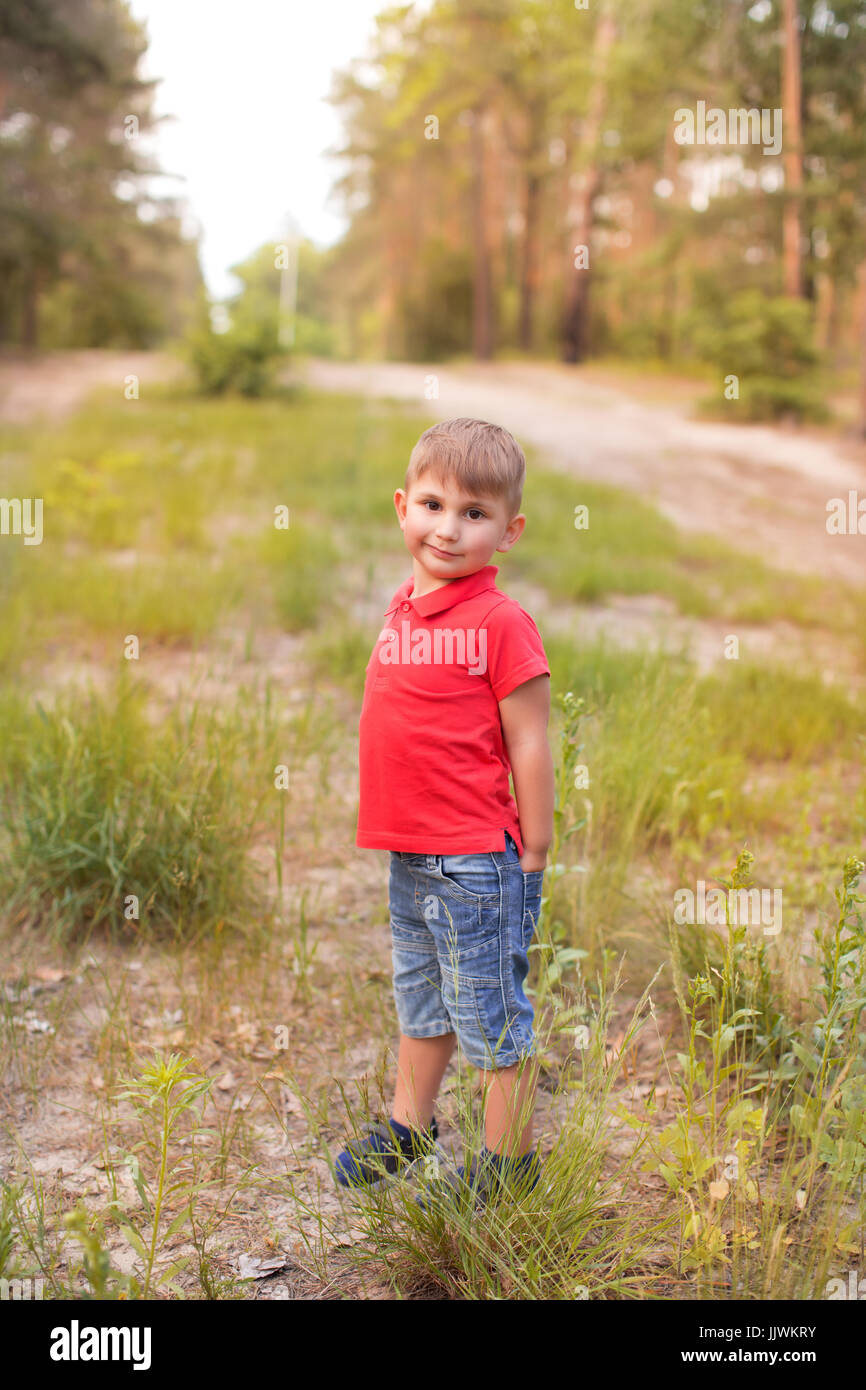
(525, 713)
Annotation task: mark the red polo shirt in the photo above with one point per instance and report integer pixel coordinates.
(432, 759)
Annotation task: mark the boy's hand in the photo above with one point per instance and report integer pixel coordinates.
(530, 862)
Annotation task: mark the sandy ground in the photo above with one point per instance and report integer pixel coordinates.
(52, 384)
(764, 490)
(701, 475)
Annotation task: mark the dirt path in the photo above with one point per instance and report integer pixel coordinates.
(53, 384)
(764, 490)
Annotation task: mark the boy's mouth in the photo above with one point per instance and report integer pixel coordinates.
(445, 554)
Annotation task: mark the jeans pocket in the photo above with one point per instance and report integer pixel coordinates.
(470, 876)
(532, 890)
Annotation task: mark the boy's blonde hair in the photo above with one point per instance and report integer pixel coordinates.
(480, 458)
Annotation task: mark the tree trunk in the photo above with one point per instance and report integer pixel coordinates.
(529, 266)
(392, 330)
(482, 295)
(30, 310)
(862, 287)
(792, 152)
(825, 295)
(532, 163)
(575, 323)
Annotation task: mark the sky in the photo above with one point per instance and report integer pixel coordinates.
(246, 81)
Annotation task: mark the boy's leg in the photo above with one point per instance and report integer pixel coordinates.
(510, 1101)
(421, 1064)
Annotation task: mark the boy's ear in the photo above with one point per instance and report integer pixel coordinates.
(513, 532)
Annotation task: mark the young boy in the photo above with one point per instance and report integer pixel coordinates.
(457, 694)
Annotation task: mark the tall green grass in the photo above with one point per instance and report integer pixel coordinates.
(578, 1234)
(107, 821)
(670, 761)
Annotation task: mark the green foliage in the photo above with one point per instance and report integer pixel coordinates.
(747, 1067)
(434, 311)
(97, 806)
(836, 1040)
(78, 265)
(7, 1229)
(168, 1096)
(314, 337)
(740, 995)
(761, 712)
(668, 768)
(564, 117)
(301, 560)
(257, 307)
(103, 1280)
(341, 653)
(103, 311)
(243, 359)
(553, 950)
(768, 343)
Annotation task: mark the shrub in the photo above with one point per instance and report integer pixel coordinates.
(243, 359)
(768, 344)
(98, 807)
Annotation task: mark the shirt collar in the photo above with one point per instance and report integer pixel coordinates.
(447, 595)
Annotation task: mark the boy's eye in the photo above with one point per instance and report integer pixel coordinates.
(431, 502)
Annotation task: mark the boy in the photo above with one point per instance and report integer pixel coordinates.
(457, 693)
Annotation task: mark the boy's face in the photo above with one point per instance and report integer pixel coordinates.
(450, 533)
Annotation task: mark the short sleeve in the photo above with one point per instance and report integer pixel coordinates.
(515, 651)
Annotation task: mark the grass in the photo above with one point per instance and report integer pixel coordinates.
(575, 1235)
(159, 519)
(219, 807)
(627, 547)
(107, 822)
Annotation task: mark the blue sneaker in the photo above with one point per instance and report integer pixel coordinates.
(486, 1177)
(493, 1173)
(374, 1161)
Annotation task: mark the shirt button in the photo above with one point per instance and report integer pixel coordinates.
(405, 608)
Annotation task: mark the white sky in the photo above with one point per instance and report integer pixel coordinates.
(247, 81)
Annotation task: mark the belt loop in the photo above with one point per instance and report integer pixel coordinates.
(432, 861)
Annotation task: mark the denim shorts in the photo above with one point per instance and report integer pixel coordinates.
(461, 926)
